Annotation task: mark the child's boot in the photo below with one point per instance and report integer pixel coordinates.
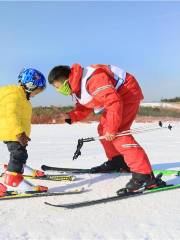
(16, 182)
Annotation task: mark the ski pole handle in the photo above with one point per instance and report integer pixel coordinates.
(80, 144)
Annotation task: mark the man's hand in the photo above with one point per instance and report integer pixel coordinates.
(23, 139)
(109, 136)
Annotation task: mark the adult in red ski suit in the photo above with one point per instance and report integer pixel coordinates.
(115, 93)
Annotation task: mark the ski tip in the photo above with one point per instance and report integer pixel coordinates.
(49, 204)
(56, 205)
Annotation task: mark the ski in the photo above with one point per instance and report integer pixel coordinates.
(88, 170)
(51, 177)
(167, 172)
(60, 169)
(14, 195)
(121, 196)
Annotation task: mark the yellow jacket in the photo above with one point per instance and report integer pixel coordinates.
(15, 113)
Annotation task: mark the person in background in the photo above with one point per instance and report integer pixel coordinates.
(15, 126)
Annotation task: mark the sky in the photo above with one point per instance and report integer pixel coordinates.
(143, 38)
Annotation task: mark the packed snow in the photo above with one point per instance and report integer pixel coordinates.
(161, 104)
(155, 216)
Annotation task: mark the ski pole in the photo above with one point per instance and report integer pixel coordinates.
(123, 133)
(134, 131)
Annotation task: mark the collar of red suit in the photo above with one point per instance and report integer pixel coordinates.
(75, 77)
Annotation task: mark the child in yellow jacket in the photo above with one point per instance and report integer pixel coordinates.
(15, 126)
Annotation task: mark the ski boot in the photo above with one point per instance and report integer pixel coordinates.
(28, 171)
(140, 181)
(15, 182)
(117, 164)
(3, 190)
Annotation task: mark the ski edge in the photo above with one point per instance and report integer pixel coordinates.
(44, 194)
(50, 177)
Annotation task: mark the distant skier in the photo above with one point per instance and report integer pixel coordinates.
(15, 125)
(115, 94)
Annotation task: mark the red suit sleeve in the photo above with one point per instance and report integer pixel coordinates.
(79, 113)
(101, 88)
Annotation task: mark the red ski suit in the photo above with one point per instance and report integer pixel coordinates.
(120, 109)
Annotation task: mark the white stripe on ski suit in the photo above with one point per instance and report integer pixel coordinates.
(130, 145)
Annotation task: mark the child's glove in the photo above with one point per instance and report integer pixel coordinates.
(23, 139)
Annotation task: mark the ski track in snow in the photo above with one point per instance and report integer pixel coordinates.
(155, 216)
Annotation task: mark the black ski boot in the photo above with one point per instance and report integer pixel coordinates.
(117, 164)
(139, 181)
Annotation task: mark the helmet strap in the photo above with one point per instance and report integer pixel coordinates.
(28, 95)
(27, 91)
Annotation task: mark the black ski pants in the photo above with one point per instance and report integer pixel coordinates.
(18, 156)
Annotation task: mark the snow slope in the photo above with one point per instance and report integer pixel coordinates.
(161, 104)
(156, 216)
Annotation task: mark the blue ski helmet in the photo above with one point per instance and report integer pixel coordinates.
(31, 79)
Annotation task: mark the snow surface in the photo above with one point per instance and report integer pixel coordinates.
(161, 104)
(155, 216)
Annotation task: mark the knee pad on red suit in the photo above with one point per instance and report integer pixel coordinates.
(134, 155)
